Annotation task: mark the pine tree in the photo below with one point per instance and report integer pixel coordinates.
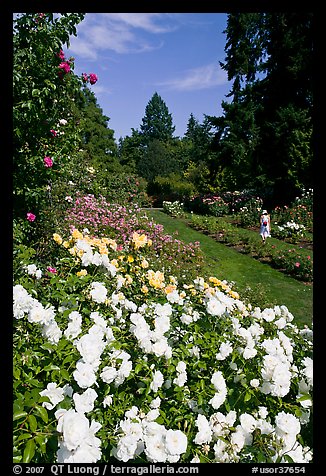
(157, 122)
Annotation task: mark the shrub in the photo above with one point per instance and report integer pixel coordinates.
(114, 361)
(175, 209)
(250, 212)
(290, 231)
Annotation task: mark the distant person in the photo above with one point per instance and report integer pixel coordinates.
(265, 225)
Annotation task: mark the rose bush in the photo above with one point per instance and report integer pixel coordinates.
(115, 360)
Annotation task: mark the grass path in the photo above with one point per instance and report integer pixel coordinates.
(226, 263)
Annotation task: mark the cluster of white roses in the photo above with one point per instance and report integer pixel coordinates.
(32, 270)
(290, 228)
(152, 340)
(140, 433)
(24, 303)
(229, 440)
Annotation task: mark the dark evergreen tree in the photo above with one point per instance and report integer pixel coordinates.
(157, 122)
(98, 139)
(130, 150)
(199, 138)
(285, 146)
(263, 140)
(158, 160)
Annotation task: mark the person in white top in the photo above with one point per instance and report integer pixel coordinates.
(265, 225)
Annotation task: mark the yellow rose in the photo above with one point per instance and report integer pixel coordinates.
(144, 264)
(234, 294)
(139, 240)
(77, 235)
(82, 272)
(57, 238)
(170, 288)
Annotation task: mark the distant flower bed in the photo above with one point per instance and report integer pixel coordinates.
(289, 230)
(208, 205)
(175, 209)
(101, 218)
(115, 360)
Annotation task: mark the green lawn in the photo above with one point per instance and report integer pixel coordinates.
(226, 263)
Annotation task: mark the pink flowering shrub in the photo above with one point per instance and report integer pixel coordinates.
(120, 222)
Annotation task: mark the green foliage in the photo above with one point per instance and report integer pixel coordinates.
(250, 212)
(170, 188)
(157, 159)
(97, 138)
(126, 188)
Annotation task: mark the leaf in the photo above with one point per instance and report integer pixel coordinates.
(64, 374)
(43, 413)
(138, 368)
(23, 436)
(41, 441)
(247, 397)
(16, 372)
(32, 422)
(303, 398)
(51, 367)
(29, 451)
(19, 414)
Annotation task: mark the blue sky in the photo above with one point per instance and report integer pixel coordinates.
(137, 54)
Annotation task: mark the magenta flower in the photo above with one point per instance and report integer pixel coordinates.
(85, 77)
(61, 55)
(65, 66)
(30, 216)
(51, 270)
(48, 162)
(93, 78)
(53, 132)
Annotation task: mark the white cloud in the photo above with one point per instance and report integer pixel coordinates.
(144, 21)
(203, 77)
(118, 32)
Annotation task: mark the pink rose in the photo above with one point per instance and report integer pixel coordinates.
(93, 78)
(48, 162)
(84, 77)
(30, 216)
(61, 55)
(65, 66)
(297, 264)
